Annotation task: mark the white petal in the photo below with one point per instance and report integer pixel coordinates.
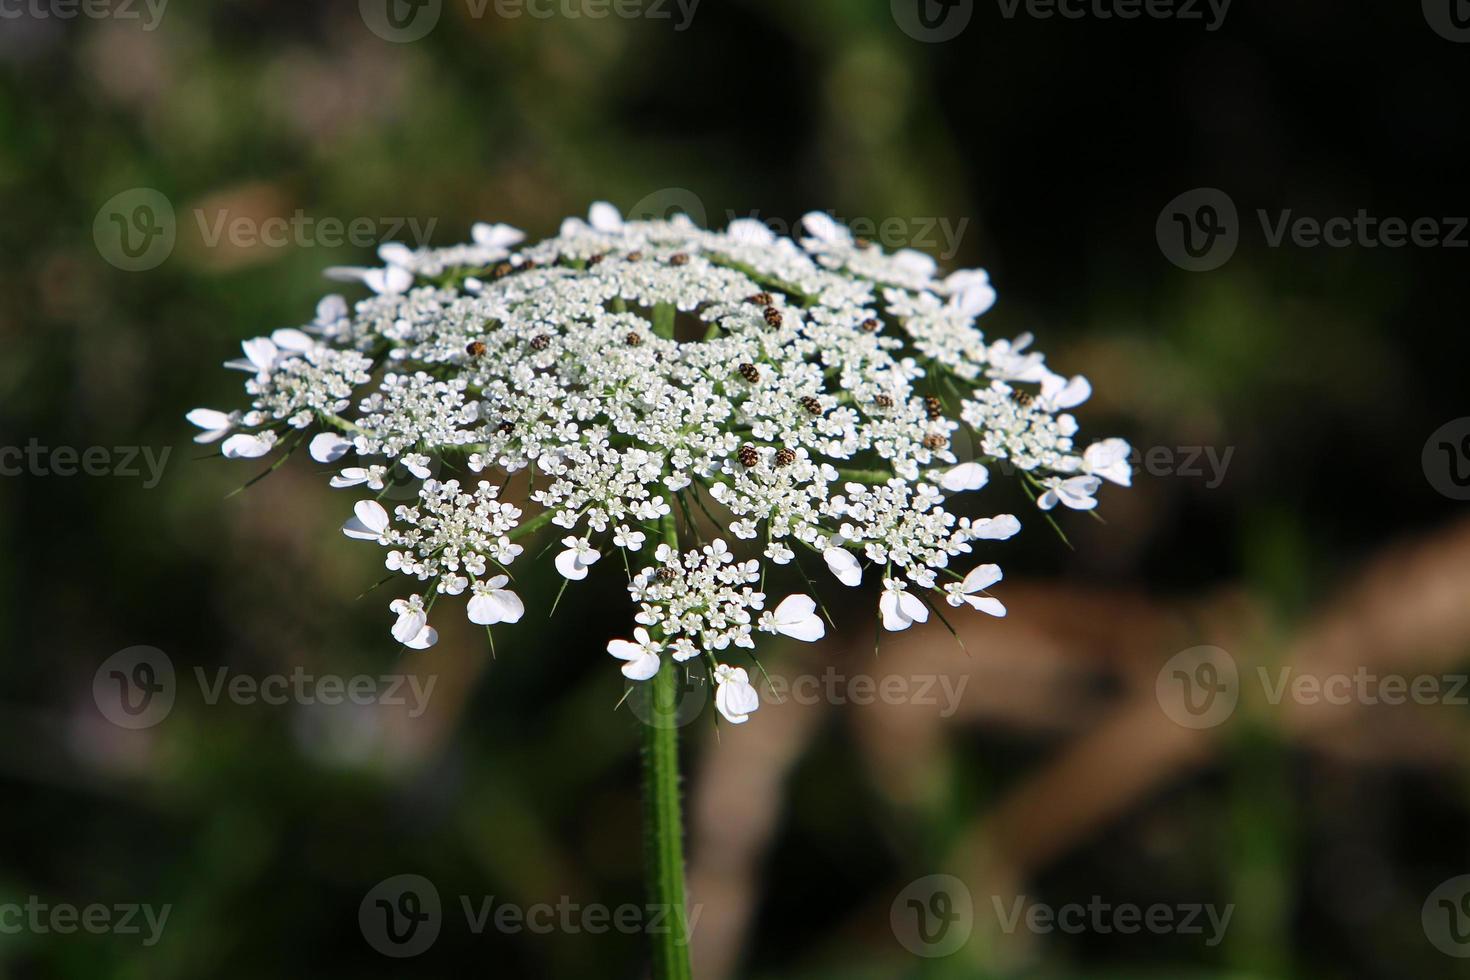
(749, 231)
(209, 418)
(735, 697)
(981, 577)
(498, 606)
(966, 476)
(997, 528)
(328, 447)
(987, 605)
(844, 565)
(807, 630)
(1060, 393)
(372, 515)
(261, 352)
(245, 446)
(913, 607)
(426, 638)
(497, 235)
(893, 618)
(395, 253)
(350, 477)
(914, 262)
(331, 309)
(390, 281)
(1077, 492)
(976, 300)
(645, 667)
(821, 226)
(570, 567)
(410, 624)
(604, 217)
(1109, 460)
(289, 338)
(795, 608)
(511, 606)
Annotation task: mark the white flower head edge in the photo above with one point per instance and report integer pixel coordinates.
(817, 405)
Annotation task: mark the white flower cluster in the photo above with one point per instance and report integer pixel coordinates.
(643, 380)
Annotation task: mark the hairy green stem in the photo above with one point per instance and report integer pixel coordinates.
(663, 823)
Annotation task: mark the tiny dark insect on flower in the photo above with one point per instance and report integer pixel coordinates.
(934, 407)
(750, 373)
(540, 342)
(871, 325)
(749, 456)
(761, 299)
(1022, 398)
(773, 316)
(476, 348)
(595, 260)
(633, 339)
(635, 256)
(935, 441)
(678, 258)
(811, 405)
(506, 427)
(882, 401)
(785, 456)
(864, 242)
(502, 270)
(666, 574)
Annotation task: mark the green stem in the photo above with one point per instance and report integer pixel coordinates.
(663, 823)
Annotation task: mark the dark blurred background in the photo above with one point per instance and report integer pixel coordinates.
(1295, 514)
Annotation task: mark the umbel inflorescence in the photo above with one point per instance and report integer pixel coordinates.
(805, 400)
